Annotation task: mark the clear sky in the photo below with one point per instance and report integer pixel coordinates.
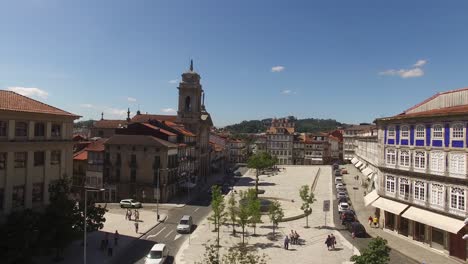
(348, 60)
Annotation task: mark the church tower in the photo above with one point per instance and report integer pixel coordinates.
(190, 99)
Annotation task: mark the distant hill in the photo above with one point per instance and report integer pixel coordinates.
(302, 125)
(86, 123)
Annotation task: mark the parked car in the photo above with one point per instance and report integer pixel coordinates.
(347, 217)
(344, 171)
(185, 224)
(341, 189)
(157, 255)
(357, 228)
(341, 195)
(343, 200)
(343, 207)
(338, 173)
(339, 185)
(338, 180)
(336, 166)
(130, 203)
(237, 173)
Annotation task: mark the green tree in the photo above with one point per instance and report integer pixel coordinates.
(232, 211)
(218, 217)
(308, 199)
(276, 214)
(260, 161)
(377, 252)
(254, 209)
(243, 213)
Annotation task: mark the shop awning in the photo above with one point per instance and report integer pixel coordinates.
(354, 160)
(443, 222)
(370, 197)
(389, 205)
(362, 166)
(359, 163)
(370, 175)
(367, 171)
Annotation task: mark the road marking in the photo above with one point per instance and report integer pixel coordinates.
(178, 236)
(150, 236)
(169, 233)
(196, 209)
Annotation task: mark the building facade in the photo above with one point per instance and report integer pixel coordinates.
(349, 140)
(237, 151)
(36, 148)
(423, 183)
(280, 137)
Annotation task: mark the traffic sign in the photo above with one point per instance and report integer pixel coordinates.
(326, 205)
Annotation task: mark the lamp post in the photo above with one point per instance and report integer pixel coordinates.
(86, 190)
(158, 196)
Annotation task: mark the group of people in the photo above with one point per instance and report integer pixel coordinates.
(105, 242)
(330, 242)
(373, 221)
(136, 214)
(292, 239)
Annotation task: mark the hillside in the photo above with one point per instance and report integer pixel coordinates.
(302, 125)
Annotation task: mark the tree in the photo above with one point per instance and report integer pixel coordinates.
(260, 161)
(377, 252)
(232, 211)
(218, 216)
(308, 199)
(254, 209)
(243, 213)
(276, 214)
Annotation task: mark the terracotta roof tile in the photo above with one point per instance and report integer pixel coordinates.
(12, 101)
(109, 123)
(97, 145)
(138, 140)
(145, 117)
(159, 129)
(81, 155)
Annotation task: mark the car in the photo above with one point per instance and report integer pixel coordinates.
(338, 180)
(342, 200)
(157, 255)
(341, 189)
(130, 203)
(237, 173)
(185, 224)
(343, 207)
(336, 166)
(341, 195)
(344, 171)
(339, 185)
(357, 229)
(347, 217)
(338, 173)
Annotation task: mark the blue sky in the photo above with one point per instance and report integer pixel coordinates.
(348, 60)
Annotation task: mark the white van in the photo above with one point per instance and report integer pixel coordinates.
(338, 180)
(185, 224)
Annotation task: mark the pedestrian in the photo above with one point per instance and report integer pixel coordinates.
(126, 215)
(116, 238)
(296, 235)
(376, 222)
(333, 241)
(137, 215)
(286, 242)
(328, 242)
(291, 237)
(370, 220)
(129, 215)
(136, 227)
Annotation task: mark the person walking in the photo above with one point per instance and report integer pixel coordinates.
(376, 222)
(126, 215)
(328, 242)
(129, 215)
(136, 227)
(116, 238)
(291, 237)
(370, 220)
(333, 241)
(296, 237)
(286, 242)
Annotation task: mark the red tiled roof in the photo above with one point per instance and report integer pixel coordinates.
(81, 155)
(109, 123)
(455, 110)
(159, 129)
(179, 128)
(434, 96)
(97, 146)
(139, 140)
(12, 101)
(145, 117)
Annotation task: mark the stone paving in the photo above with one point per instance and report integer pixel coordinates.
(285, 186)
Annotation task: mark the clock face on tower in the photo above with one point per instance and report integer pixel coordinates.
(204, 117)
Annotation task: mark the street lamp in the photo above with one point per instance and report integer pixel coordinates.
(86, 190)
(158, 196)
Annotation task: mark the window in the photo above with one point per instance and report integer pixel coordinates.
(133, 175)
(20, 159)
(404, 188)
(37, 192)
(391, 157)
(457, 163)
(3, 157)
(437, 132)
(404, 158)
(39, 158)
(457, 131)
(390, 184)
(3, 129)
(420, 160)
(457, 198)
(437, 194)
(391, 132)
(18, 196)
(56, 128)
(21, 129)
(404, 132)
(438, 161)
(39, 129)
(420, 132)
(55, 157)
(420, 190)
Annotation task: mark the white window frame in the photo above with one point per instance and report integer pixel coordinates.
(437, 194)
(391, 129)
(390, 156)
(418, 187)
(458, 198)
(435, 134)
(402, 182)
(404, 160)
(419, 160)
(456, 134)
(390, 184)
(417, 133)
(457, 163)
(407, 130)
(437, 164)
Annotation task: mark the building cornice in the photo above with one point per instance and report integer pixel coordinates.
(425, 176)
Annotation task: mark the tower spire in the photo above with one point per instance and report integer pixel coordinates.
(191, 65)
(102, 115)
(128, 115)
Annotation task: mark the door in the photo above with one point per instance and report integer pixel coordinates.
(457, 246)
(419, 231)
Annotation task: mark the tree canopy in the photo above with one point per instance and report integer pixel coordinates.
(377, 252)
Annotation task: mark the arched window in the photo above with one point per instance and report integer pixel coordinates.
(437, 132)
(404, 132)
(391, 131)
(457, 131)
(404, 158)
(391, 157)
(188, 104)
(420, 160)
(420, 132)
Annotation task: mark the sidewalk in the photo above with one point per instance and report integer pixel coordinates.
(419, 253)
(284, 186)
(115, 220)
